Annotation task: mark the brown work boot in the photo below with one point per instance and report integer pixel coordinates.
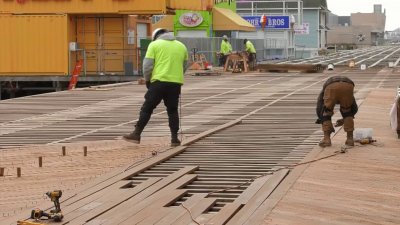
(349, 140)
(326, 141)
(327, 128)
(134, 137)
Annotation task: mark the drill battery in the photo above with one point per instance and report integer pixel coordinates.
(366, 141)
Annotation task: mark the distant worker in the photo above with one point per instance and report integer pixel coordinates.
(337, 90)
(163, 69)
(251, 51)
(226, 49)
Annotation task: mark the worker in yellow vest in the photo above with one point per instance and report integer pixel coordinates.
(226, 49)
(163, 69)
(251, 51)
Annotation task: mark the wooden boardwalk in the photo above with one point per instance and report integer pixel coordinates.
(236, 127)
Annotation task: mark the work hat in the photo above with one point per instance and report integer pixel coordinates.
(157, 32)
(225, 37)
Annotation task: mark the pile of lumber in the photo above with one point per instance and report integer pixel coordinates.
(304, 68)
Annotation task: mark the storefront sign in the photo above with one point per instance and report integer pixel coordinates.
(191, 19)
(302, 29)
(272, 22)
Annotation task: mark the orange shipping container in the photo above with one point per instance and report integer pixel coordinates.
(33, 43)
(191, 4)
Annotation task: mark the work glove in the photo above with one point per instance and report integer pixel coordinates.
(339, 122)
(147, 84)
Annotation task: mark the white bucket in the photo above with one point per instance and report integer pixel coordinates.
(363, 67)
(391, 64)
(363, 133)
(330, 66)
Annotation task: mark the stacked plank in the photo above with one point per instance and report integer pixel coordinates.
(304, 68)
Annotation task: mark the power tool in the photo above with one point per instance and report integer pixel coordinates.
(37, 214)
(365, 141)
(56, 213)
(55, 197)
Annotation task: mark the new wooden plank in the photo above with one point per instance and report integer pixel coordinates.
(112, 197)
(282, 189)
(225, 214)
(160, 213)
(180, 211)
(167, 198)
(252, 189)
(243, 215)
(147, 197)
(68, 208)
(195, 211)
(202, 219)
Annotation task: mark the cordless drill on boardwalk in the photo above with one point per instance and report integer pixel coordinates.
(38, 214)
(56, 213)
(55, 197)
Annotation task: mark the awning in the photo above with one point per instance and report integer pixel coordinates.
(167, 22)
(225, 19)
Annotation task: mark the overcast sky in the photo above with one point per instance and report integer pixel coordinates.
(346, 7)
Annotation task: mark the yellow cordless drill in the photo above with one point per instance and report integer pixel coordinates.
(54, 214)
(55, 196)
(37, 214)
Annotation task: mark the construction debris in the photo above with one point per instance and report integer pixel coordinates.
(199, 62)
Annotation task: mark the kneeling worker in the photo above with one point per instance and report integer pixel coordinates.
(337, 90)
(163, 68)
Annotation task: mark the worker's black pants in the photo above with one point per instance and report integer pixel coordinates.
(222, 59)
(169, 93)
(252, 61)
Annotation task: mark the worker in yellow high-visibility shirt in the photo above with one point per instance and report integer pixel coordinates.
(163, 68)
(251, 51)
(226, 49)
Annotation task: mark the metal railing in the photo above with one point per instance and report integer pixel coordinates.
(267, 49)
(127, 61)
